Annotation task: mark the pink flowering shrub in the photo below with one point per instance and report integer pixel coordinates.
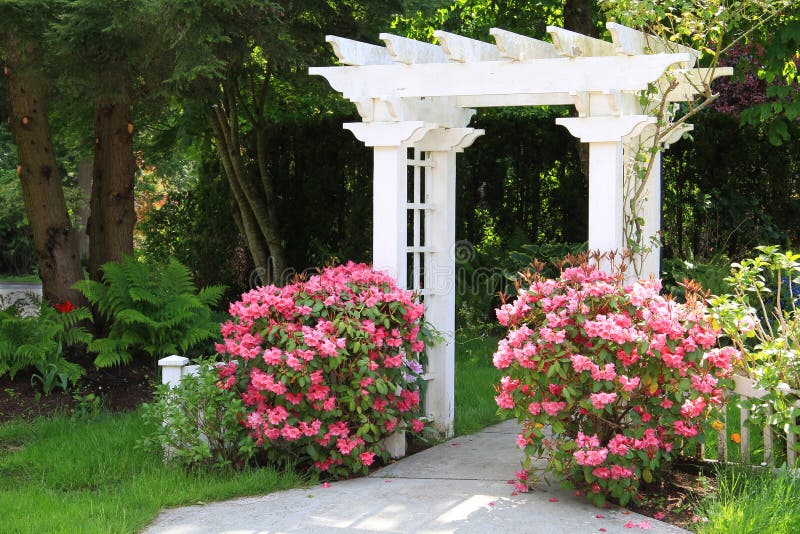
(327, 366)
(608, 380)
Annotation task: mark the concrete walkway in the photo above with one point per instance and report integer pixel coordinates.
(458, 486)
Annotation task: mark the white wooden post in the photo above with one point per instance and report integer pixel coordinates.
(606, 173)
(440, 269)
(172, 369)
(390, 141)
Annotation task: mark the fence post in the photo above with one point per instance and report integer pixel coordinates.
(172, 369)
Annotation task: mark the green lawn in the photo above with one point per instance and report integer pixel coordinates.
(19, 279)
(475, 380)
(751, 502)
(60, 475)
(57, 475)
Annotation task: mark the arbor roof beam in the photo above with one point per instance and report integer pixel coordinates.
(520, 47)
(409, 51)
(633, 42)
(350, 52)
(571, 44)
(560, 75)
(463, 49)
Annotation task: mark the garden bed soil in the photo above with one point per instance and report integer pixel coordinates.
(676, 493)
(119, 389)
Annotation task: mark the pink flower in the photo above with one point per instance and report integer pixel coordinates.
(417, 425)
(505, 401)
(601, 399)
(580, 363)
(585, 441)
(591, 457)
(693, 408)
(552, 408)
(618, 445)
(521, 475)
(658, 515)
(684, 430)
(367, 458)
(606, 373)
(628, 384)
(535, 408)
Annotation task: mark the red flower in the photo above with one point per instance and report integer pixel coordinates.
(65, 307)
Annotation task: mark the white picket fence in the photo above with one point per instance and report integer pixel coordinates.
(744, 387)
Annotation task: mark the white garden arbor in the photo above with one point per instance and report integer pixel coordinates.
(416, 100)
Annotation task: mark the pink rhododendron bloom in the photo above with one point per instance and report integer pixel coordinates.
(581, 363)
(585, 441)
(590, 457)
(693, 408)
(618, 472)
(608, 372)
(277, 415)
(603, 473)
(552, 408)
(684, 430)
(290, 433)
(703, 384)
(367, 458)
(339, 429)
(522, 441)
(521, 487)
(521, 475)
(417, 425)
(535, 408)
(628, 384)
(390, 424)
(509, 384)
(505, 401)
(601, 399)
(618, 445)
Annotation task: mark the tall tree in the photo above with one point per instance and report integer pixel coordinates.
(29, 86)
(246, 61)
(114, 61)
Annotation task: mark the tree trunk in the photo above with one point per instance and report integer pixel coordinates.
(113, 215)
(54, 237)
(84, 210)
(258, 219)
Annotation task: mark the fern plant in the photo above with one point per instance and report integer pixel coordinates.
(38, 340)
(154, 310)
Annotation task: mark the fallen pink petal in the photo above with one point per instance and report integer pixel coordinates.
(658, 515)
(325, 485)
(644, 525)
(629, 524)
(553, 499)
(600, 516)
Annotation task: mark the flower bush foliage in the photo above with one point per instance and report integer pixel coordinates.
(621, 375)
(327, 366)
(761, 317)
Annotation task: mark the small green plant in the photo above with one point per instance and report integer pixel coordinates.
(761, 317)
(86, 407)
(198, 423)
(39, 341)
(154, 310)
